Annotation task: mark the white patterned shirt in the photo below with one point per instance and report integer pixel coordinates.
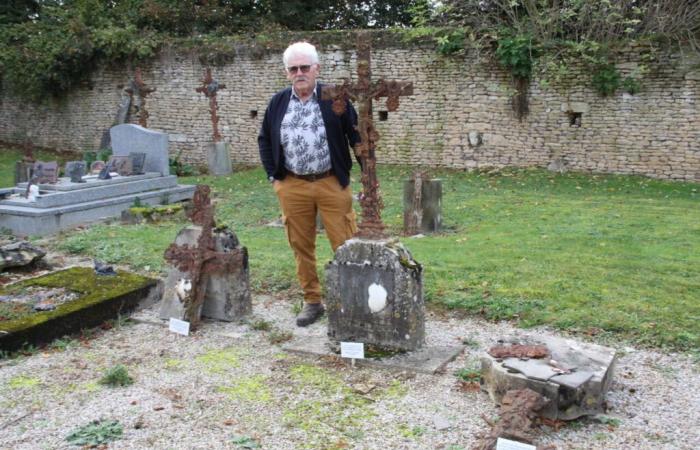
(304, 137)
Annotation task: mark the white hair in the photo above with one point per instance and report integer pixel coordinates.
(300, 48)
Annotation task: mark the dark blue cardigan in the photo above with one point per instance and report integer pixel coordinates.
(340, 131)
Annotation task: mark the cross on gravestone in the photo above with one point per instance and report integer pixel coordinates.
(138, 90)
(362, 92)
(202, 260)
(209, 88)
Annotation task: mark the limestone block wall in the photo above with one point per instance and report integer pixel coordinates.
(460, 115)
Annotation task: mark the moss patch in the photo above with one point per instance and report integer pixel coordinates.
(22, 382)
(220, 361)
(100, 298)
(249, 389)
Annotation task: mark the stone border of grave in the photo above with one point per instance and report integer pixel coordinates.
(108, 298)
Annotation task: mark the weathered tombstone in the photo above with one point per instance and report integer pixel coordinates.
(45, 172)
(137, 161)
(375, 295)
(210, 277)
(121, 164)
(218, 152)
(374, 287)
(573, 376)
(128, 138)
(23, 168)
(422, 205)
(76, 170)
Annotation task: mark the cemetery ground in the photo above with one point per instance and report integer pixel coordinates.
(608, 259)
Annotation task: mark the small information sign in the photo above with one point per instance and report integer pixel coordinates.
(354, 350)
(507, 444)
(179, 326)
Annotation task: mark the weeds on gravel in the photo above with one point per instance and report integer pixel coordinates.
(117, 376)
(277, 336)
(96, 433)
(261, 325)
(245, 442)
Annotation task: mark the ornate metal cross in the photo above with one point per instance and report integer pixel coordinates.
(138, 90)
(209, 88)
(362, 92)
(201, 261)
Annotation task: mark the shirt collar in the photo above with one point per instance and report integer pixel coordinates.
(314, 96)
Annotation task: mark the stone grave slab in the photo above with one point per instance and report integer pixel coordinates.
(219, 158)
(575, 376)
(422, 211)
(227, 295)
(428, 359)
(374, 295)
(129, 138)
(86, 300)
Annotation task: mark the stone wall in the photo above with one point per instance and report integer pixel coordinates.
(460, 115)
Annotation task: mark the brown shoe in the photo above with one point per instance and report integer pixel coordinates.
(310, 314)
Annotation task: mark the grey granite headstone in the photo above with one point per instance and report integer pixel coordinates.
(575, 377)
(129, 138)
(227, 295)
(75, 170)
(219, 159)
(374, 295)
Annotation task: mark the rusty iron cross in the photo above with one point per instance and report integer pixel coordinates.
(209, 88)
(138, 90)
(204, 259)
(362, 92)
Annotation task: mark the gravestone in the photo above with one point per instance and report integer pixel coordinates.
(121, 164)
(375, 295)
(96, 167)
(573, 376)
(219, 158)
(129, 138)
(227, 294)
(45, 172)
(76, 170)
(422, 205)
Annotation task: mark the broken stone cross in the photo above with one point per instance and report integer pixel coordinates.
(206, 260)
(138, 90)
(362, 92)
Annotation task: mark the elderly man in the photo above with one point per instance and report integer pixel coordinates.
(305, 150)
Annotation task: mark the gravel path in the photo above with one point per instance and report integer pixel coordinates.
(227, 385)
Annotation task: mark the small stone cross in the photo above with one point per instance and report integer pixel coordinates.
(138, 90)
(362, 92)
(201, 261)
(209, 88)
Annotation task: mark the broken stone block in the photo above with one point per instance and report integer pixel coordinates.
(219, 159)
(422, 205)
(574, 377)
(227, 295)
(18, 254)
(375, 295)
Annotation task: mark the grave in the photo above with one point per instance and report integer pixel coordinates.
(218, 151)
(63, 203)
(573, 376)
(40, 309)
(374, 287)
(210, 274)
(422, 204)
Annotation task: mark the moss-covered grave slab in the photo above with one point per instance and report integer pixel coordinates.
(99, 298)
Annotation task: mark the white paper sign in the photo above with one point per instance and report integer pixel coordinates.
(354, 350)
(507, 444)
(179, 326)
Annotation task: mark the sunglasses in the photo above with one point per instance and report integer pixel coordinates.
(302, 69)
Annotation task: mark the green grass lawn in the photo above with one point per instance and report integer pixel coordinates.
(613, 256)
